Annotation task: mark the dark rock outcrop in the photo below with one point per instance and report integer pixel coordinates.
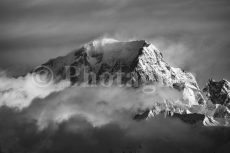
(218, 104)
(218, 92)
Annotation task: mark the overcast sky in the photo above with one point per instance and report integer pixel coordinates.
(192, 34)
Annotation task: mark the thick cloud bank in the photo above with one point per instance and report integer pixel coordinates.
(77, 135)
(53, 103)
(19, 92)
(96, 119)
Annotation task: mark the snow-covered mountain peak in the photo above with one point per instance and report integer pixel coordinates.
(135, 64)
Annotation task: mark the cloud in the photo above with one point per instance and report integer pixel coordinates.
(19, 92)
(177, 54)
(18, 134)
(98, 105)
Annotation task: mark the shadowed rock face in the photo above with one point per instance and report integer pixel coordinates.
(218, 92)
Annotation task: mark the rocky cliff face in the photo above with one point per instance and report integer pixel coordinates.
(218, 102)
(137, 64)
(218, 92)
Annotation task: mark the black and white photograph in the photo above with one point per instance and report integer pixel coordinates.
(114, 76)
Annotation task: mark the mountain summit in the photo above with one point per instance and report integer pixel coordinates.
(139, 62)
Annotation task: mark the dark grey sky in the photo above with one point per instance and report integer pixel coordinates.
(192, 34)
